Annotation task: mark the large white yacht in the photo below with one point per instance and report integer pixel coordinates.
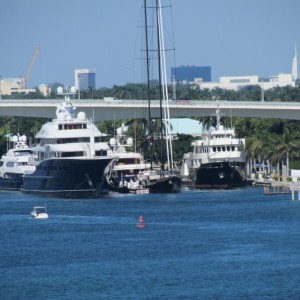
(217, 158)
(14, 163)
(71, 156)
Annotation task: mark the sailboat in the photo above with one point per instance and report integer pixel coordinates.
(162, 178)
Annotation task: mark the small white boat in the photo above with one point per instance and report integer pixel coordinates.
(39, 212)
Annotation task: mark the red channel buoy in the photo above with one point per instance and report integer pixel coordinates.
(141, 223)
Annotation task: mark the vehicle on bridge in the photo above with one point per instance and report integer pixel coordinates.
(112, 99)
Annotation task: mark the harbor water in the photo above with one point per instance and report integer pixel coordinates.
(226, 244)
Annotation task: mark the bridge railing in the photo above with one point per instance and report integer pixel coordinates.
(223, 103)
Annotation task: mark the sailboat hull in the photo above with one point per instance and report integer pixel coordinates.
(168, 184)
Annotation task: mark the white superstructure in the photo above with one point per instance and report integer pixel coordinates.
(70, 135)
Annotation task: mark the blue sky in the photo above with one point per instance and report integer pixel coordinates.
(234, 37)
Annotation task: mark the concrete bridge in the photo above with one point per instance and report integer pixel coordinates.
(131, 109)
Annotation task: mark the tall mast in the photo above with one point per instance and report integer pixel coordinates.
(148, 77)
(163, 84)
(159, 78)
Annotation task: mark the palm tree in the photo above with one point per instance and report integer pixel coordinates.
(287, 146)
(253, 148)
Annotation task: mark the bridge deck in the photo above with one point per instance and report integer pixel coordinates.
(129, 109)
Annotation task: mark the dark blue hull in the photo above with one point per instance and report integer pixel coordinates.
(13, 183)
(219, 175)
(68, 177)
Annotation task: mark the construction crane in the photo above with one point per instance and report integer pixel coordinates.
(30, 67)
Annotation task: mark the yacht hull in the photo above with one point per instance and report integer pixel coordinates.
(13, 183)
(219, 175)
(70, 177)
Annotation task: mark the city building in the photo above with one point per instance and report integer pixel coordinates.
(238, 82)
(85, 79)
(45, 90)
(186, 74)
(9, 86)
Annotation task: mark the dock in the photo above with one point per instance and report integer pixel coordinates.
(280, 188)
(277, 188)
(295, 187)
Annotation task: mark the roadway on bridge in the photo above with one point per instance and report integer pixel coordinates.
(130, 109)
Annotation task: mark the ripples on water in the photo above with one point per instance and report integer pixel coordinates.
(233, 244)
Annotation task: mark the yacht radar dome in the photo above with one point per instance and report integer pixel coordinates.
(81, 116)
(60, 90)
(129, 141)
(112, 142)
(61, 116)
(73, 89)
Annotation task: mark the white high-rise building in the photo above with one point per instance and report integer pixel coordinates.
(295, 65)
(85, 79)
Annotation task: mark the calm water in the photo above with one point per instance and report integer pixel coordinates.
(235, 244)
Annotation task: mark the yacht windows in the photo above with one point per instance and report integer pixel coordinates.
(72, 154)
(10, 164)
(45, 155)
(223, 149)
(22, 153)
(128, 161)
(72, 126)
(66, 141)
(51, 168)
(97, 139)
(100, 153)
(72, 140)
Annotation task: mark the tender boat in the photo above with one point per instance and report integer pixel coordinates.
(39, 212)
(218, 159)
(71, 156)
(14, 163)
